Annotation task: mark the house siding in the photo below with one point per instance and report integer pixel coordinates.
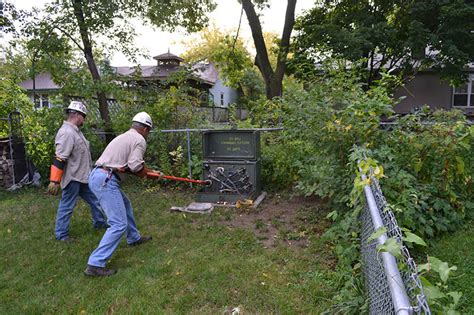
(229, 94)
(424, 89)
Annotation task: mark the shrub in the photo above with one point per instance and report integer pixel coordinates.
(426, 155)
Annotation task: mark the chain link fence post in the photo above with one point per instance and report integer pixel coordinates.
(390, 289)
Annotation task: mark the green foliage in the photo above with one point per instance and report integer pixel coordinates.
(232, 60)
(175, 105)
(387, 34)
(439, 297)
(457, 248)
(67, 31)
(425, 157)
(8, 16)
(227, 53)
(11, 99)
(430, 169)
(40, 128)
(101, 19)
(170, 15)
(424, 161)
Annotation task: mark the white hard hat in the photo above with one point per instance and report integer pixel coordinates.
(78, 107)
(143, 118)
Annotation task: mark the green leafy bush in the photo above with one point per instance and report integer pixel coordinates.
(429, 166)
(427, 156)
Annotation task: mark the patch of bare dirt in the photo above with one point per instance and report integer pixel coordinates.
(286, 219)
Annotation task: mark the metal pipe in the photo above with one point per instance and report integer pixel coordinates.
(10, 142)
(189, 157)
(188, 130)
(179, 179)
(398, 293)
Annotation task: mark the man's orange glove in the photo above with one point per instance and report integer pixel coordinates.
(56, 174)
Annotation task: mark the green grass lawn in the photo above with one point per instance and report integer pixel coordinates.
(194, 264)
(458, 249)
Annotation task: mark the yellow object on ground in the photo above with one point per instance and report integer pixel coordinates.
(245, 202)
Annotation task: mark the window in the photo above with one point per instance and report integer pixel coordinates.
(463, 95)
(42, 100)
(222, 99)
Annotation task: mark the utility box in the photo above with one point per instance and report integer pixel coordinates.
(231, 145)
(231, 161)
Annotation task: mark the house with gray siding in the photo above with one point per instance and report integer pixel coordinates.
(427, 88)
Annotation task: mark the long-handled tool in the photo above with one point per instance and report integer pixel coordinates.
(180, 179)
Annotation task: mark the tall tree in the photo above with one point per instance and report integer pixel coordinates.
(273, 77)
(388, 34)
(8, 14)
(105, 24)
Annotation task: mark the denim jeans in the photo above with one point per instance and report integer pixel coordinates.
(68, 201)
(118, 209)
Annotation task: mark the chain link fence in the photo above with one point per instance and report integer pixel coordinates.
(393, 285)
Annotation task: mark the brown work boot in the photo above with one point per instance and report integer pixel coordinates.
(94, 271)
(142, 240)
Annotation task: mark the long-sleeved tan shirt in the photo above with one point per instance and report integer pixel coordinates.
(126, 150)
(72, 146)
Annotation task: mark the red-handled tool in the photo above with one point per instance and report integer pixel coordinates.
(180, 179)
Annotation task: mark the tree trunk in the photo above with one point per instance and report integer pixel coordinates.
(101, 96)
(273, 79)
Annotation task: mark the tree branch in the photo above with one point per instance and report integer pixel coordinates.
(261, 59)
(285, 39)
(70, 37)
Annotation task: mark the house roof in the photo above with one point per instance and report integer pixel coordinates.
(206, 72)
(43, 81)
(168, 56)
(203, 71)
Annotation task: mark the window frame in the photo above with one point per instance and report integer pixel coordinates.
(470, 94)
(42, 101)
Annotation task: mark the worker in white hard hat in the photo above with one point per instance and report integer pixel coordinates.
(70, 170)
(122, 156)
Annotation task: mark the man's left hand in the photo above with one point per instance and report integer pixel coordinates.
(53, 188)
(155, 174)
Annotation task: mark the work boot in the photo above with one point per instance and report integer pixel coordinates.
(142, 240)
(94, 271)
(99, 226)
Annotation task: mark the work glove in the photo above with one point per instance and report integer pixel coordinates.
(57, 170)
(143, 172)
(53, 188)
(155, 174)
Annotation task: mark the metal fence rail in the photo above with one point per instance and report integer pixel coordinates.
(390, 290)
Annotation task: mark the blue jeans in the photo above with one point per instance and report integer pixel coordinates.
(68, 201)
(118, 209)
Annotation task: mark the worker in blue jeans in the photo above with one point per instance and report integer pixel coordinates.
(122, 155)
(70, 171)
(68, 201)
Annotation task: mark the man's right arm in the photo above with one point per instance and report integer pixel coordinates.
(137, 165)
(64, 144)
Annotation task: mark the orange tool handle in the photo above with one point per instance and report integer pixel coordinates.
(180, 179)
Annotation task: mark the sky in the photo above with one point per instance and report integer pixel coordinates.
(225, 16)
